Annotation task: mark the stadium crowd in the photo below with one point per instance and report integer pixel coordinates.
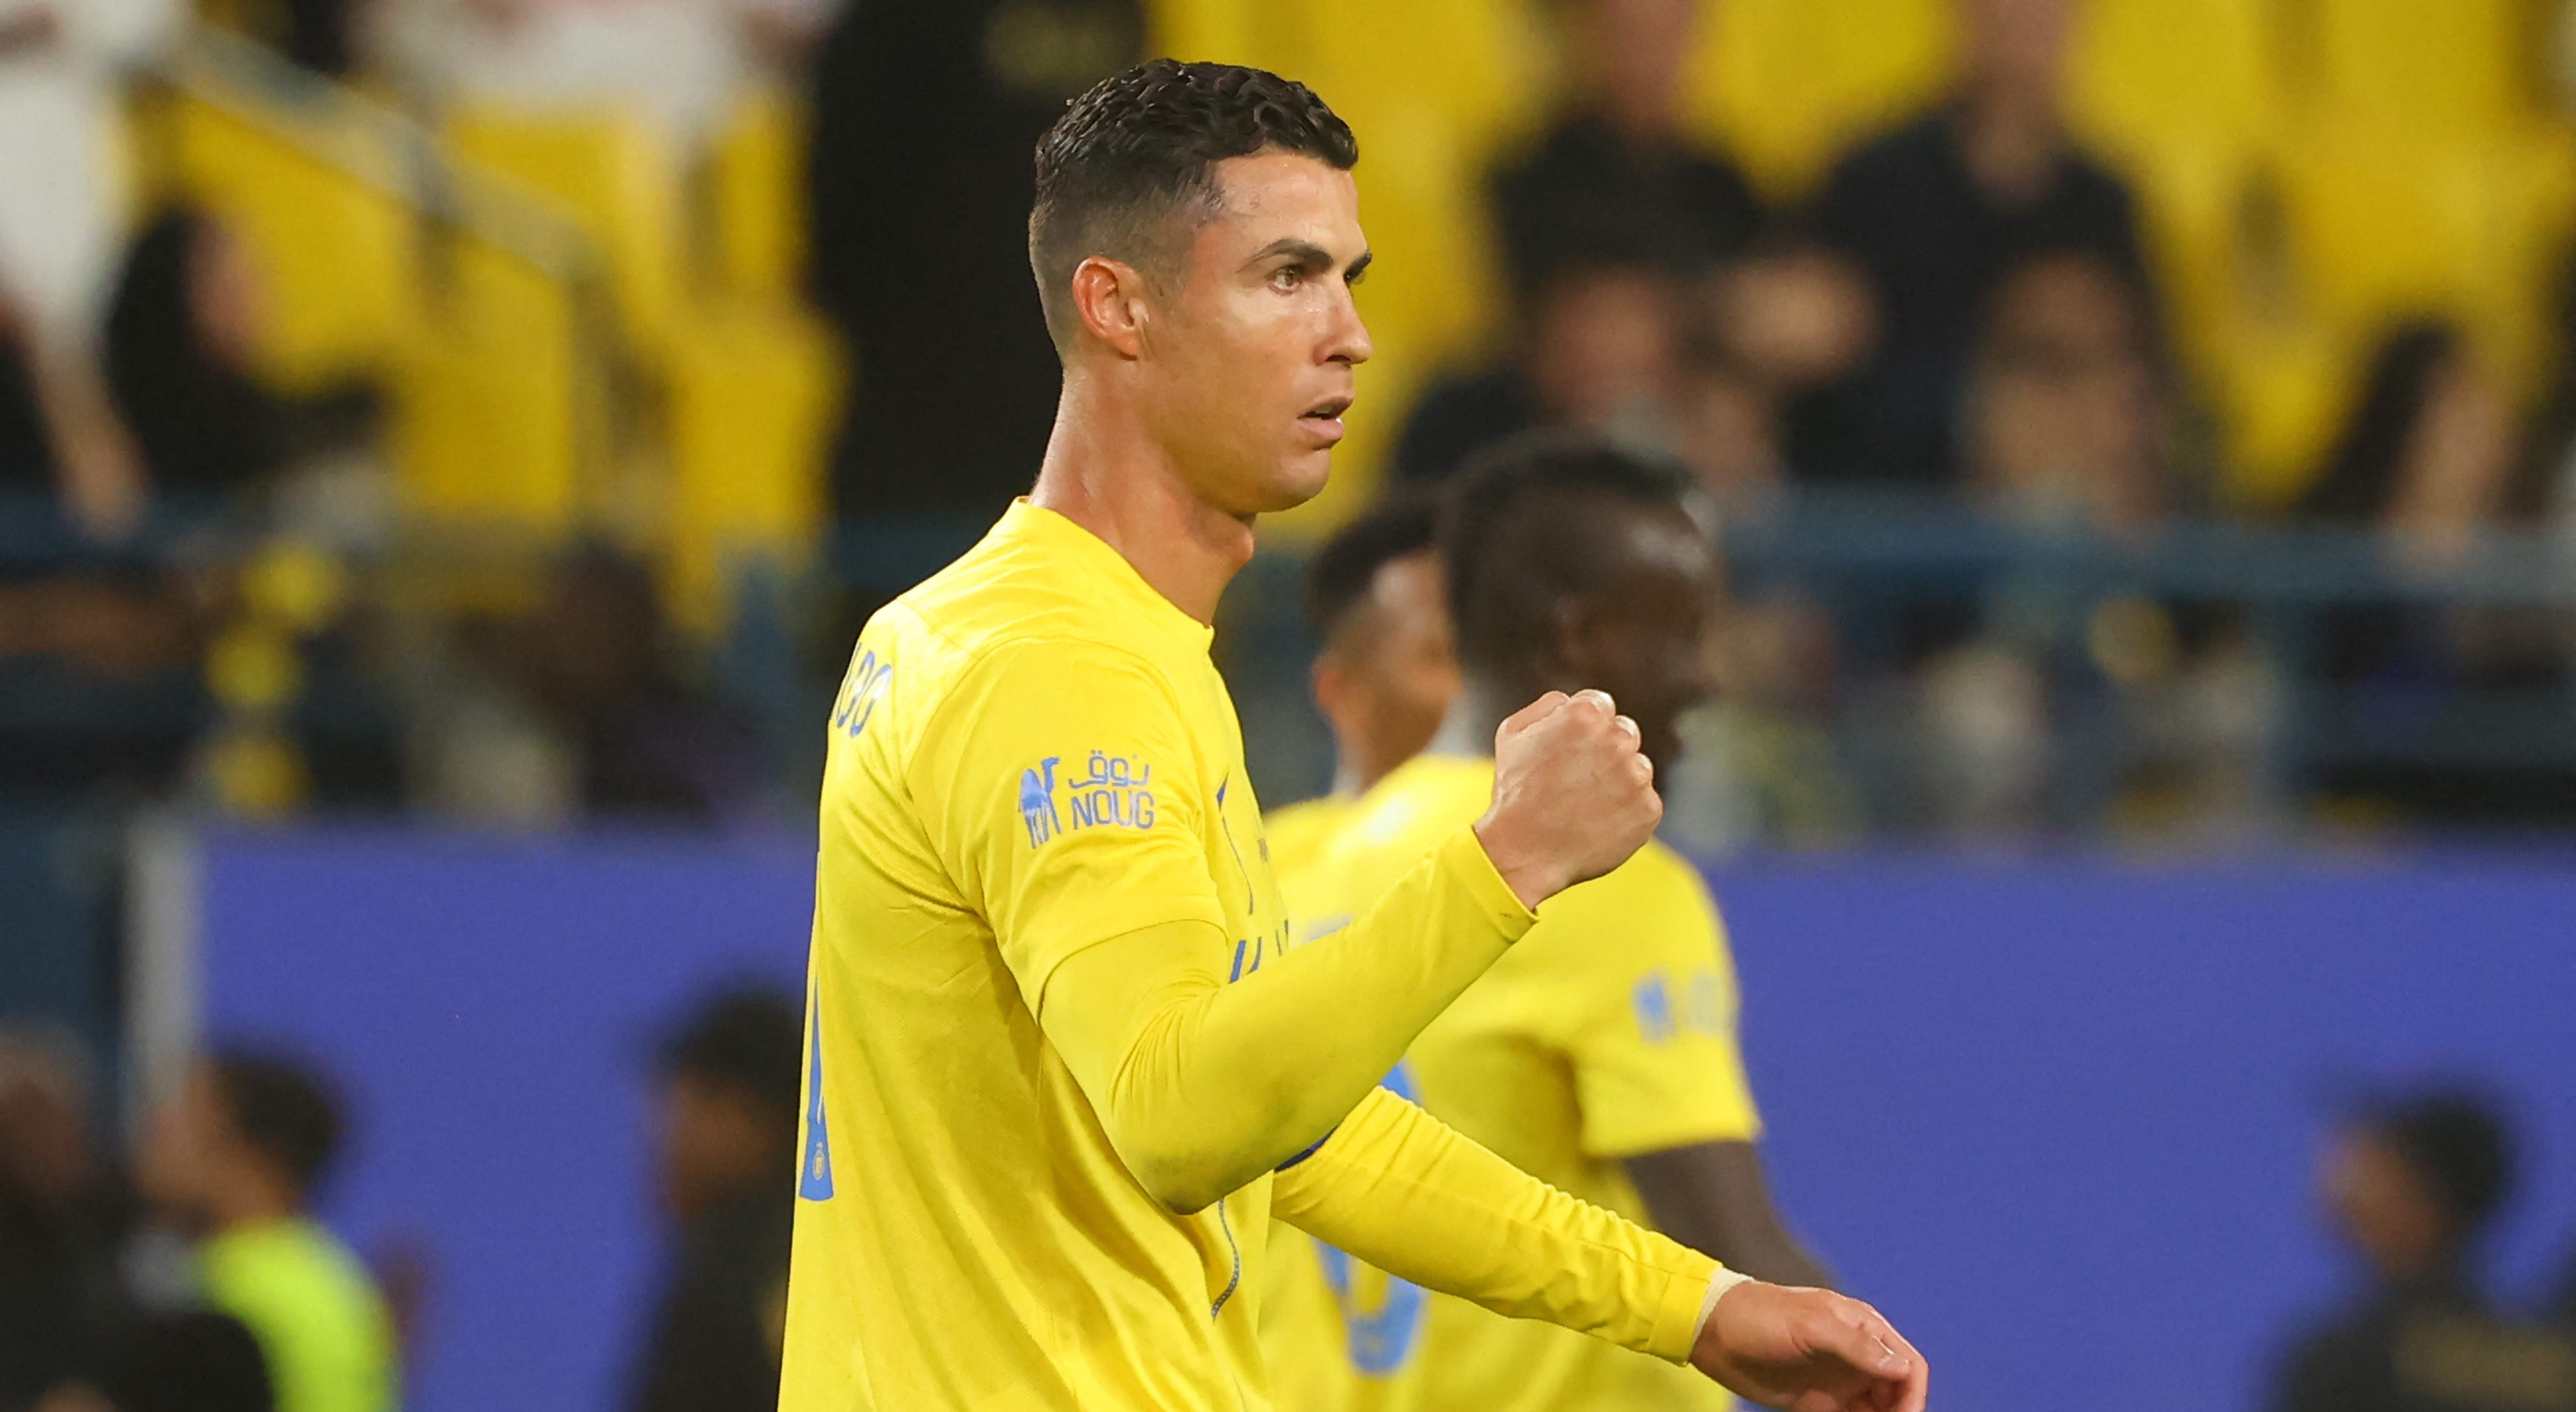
(1968, 318)
(1965, 327)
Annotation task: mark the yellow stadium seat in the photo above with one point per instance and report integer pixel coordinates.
(2153, 72)
(614, 175)
(2380, 228)
(1788, 84)
(754, 387)
(495, 411)
(2281, 393)
(338, 251)
(2420, 66)
(757, 180)
(2184, 96)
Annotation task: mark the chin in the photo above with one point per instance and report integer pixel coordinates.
(1293, 484)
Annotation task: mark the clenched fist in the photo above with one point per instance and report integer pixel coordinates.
(1573, 795)
(1809, 1350)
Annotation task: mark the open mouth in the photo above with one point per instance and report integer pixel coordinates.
(1328, 410)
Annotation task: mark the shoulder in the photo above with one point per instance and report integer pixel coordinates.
(1655, 906)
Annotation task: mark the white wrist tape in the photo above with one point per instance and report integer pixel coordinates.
(1718, 1284)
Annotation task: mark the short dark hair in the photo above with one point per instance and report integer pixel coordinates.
(1341, 573)
(1518, 533)
(280, 1108)
(750, 1039)
(2456, 1141)
(1140, 148)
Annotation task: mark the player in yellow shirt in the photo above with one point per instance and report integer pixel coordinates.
(1384, 674)
(1600, 1055)
(1060, 1070)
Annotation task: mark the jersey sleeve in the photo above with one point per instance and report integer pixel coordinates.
(1650, 1027)
(1062, 786)
(1403, 1191)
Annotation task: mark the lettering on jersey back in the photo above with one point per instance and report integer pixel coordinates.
(860, 692)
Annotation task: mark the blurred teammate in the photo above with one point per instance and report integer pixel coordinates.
(1058, 1047)
(235, 1157)
(1600, 1054)
(727, 1125)
(1386, 673)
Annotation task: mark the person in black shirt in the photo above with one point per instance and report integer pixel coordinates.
(727, 1114)
(2411, 1184)
(1618, 179)
(1930, 215)
(921, 176)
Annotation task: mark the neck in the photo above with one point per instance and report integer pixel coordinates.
(249, 1201)
(2010, 137)
(1104, 472)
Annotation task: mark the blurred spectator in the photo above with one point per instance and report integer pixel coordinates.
(2429, 454)
(581, 707)
(1758, 766)
(2429, 462)
(925, 120)
(60, 1218)
(191, 1362)
(2410, 1185)
(234, 1159)
(1600, 350)
(62, 67)
(179, 337)
(2067, 420)
(681, 63)
(1932, 215)
(727, 1111)
(1618, 179)
(26, 447)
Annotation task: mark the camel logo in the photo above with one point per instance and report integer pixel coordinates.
(1037, 802)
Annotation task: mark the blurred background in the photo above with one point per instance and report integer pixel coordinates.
(447, 448)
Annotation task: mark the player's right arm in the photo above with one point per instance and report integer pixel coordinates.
(1204, 1079)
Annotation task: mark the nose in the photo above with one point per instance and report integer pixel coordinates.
(1348, 341)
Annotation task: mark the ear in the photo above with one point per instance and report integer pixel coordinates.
(1109, 299)
(1571, 643)
(1331, 685)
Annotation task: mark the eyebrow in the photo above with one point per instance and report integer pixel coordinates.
(1312, 256)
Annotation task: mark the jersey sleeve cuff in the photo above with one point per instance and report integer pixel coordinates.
(1690, 1296)
(1464, 858)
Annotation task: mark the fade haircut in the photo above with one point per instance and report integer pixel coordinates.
(1141, 149)
(1528, 524)
(1345, 569)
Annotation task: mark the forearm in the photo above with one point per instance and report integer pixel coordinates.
(1713, 1196)
(1205, 1080)
(1406, 1193)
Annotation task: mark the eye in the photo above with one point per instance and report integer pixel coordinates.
(1286, 278)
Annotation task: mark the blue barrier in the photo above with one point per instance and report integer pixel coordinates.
(2056, 1116)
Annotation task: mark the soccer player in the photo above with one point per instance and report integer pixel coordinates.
(1386, 674)
(1061, 1068)
(1600, 1054)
